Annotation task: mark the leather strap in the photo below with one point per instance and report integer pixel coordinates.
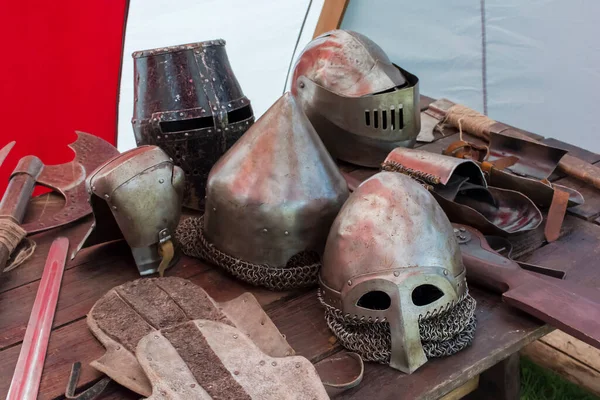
(340, 372)
(556, 214)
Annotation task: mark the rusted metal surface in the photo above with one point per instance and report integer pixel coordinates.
(565, 305)
(461, 189)
(276, 192)
(28, 372)
(67, 179)
(391, 238)
(189, 103)
(136, 196)
(361, 104)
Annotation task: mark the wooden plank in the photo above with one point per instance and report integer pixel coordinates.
(574, 348)
(564, 365)
(501, 382)
(577, 253)
(463, 390)
(79, 293)
(331, 16)
(81, 287)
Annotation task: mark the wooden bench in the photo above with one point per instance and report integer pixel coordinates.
(489, 368)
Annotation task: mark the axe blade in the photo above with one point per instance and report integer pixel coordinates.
(69, 180)
(5, 150)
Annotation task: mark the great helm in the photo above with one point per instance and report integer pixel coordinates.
(271, 200)
(392, 282)
(137, 196)
(361, 104)
(189, 103)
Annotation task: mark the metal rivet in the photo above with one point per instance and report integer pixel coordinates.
(155, 336)
(286, 233)
(118, 347)
(396, 273)
(274, 363)
(161, 180)
(349, 283)
(262, 363)
(236, 372)
(462, 237)
(297, 365)
(187, 134)
(181, 114)
(114, 207)
(235, 336)
(455, 230)
(106, 196)
(149, 358)
(445, 272)
(301, 85)
(193, 385)
(265, 230)
(462, 229)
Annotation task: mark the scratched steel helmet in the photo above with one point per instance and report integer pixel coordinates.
(137, 196)
(392, 282)
(189, 103)
(270, 202)
(361, 104)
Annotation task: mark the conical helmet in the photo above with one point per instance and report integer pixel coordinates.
(393, 283)
(271, 200)
(361, 104)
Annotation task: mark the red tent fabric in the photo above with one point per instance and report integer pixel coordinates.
(60, 73)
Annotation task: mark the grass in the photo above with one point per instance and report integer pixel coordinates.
(538, 383)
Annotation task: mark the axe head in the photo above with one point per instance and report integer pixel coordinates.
(69, 180)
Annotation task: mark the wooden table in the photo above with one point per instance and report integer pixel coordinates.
(501, 331)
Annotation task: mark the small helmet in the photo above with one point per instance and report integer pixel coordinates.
(361, 104)
(137, 196)
(392, 276)
(270, 202)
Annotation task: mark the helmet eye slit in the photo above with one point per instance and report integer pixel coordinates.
(375, 300)
(426, 294)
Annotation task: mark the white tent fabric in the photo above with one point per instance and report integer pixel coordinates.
(261, 36)
(535, 64)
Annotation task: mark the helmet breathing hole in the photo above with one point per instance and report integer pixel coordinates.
(375, 300)
(426, 294)
(368, 118)
(376, 119)
(383, 119)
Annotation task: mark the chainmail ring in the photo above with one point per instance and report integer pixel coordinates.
(442, 334)
(300, 271)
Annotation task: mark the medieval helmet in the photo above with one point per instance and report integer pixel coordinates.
(137, 196)
(392, 282)
(361, 104)
(270, 202)
(189, 103)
